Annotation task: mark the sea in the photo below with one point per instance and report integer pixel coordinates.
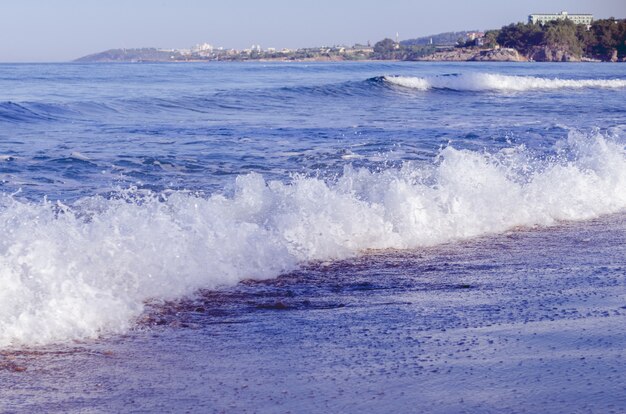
(313, 237)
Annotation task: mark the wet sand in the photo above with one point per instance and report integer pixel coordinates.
(529, 321)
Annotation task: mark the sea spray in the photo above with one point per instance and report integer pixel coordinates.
(478, 82)
(86, 269)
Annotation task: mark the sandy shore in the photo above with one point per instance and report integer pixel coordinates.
(455, 328)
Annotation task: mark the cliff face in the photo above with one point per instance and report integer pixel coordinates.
(499, 55)
(549, 54)
(537, 54)
(474, 55)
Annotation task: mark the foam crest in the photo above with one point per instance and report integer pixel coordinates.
(79, 271)
(496, 82)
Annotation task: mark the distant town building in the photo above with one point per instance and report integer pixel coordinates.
(204, 47)
(474, 35)
(586, 19)
(358, 48)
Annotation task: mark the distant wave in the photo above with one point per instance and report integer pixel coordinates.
(14, 112)
(496, 82)
(81, 270)
(31, 112)
(237, 99)
(28, 112)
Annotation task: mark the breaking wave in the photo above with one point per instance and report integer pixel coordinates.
(30, 112)
(82, 270)
(495, 82)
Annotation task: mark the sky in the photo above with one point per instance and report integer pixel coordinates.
(63, 30)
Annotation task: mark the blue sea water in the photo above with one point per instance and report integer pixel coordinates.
(123, 184)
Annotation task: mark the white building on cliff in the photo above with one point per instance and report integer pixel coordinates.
(545, 18)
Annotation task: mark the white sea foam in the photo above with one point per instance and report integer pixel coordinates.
(79, 271)
(497, 82)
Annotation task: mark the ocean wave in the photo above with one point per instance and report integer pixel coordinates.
(82, 270)
(279, 97)
(477, 82)
(30, 112)
(17, 113)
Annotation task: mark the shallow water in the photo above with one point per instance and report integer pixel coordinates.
(463, 327)
(416, 230)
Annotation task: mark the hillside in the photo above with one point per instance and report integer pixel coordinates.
(442, 39)
(132, 55)
(563, 41)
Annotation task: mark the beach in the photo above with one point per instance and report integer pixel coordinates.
(452, 328)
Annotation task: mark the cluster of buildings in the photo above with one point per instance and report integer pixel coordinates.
(206, 51)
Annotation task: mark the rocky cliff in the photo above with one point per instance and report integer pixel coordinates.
(471, 54)
(548, 54)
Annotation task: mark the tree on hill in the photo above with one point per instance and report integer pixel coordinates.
(606, 38)
(441, 39)
(385, 46)
(561, 35)
(490, 40)
(386, 49)
(520, 36)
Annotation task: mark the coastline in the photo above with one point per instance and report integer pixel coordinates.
(451, 55)
(558, 40)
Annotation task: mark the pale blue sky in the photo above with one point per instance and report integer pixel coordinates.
(60, 30)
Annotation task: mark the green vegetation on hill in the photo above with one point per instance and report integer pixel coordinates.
(604, 40)
(387, 49)
(447, 39)
(560, 40)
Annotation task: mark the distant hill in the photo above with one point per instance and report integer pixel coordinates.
(441, 39)
(132, 55)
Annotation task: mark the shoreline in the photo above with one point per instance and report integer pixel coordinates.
(443, 329)
(338, 61)
(451, 55)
